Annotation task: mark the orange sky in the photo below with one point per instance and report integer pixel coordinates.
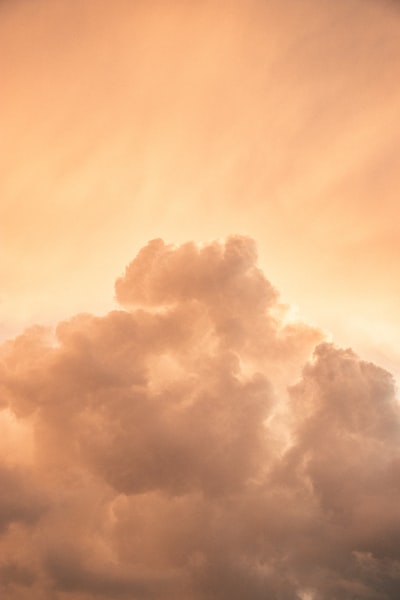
(184, 445)
(192, 121)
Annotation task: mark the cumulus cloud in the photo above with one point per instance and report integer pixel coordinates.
(196, 445)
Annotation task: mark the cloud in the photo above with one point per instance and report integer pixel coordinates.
(196, 444)
(20, 500)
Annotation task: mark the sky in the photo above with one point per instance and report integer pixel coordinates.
(198, 301)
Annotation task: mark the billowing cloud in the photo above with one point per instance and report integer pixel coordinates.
(197, 444)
